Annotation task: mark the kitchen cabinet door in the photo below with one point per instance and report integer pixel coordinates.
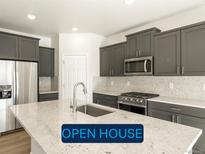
(46, 62)
(106, 100)
(145, 44)
(117, 62)
(47, 97)
(132, 47)
(193, 50)
(161, 115)
(107, 103)
(28, 49)
(167, 54)
(199, 147)
(8, 46)
(105, 61)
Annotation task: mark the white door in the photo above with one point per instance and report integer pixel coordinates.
(74, 70)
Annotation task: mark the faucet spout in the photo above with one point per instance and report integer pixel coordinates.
(74, 94)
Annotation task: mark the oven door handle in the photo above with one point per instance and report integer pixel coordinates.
(145, 66)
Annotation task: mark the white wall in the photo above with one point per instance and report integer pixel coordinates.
(81, 43)
(181, 19)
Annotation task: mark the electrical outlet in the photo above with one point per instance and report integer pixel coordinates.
(171, 85)
(128, 83)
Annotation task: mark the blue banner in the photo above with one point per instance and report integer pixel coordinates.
(102, 133)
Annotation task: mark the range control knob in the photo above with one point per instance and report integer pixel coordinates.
(141, 101)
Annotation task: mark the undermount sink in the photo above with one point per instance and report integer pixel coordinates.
(92, 110)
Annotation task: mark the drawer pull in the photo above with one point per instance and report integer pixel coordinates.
(173, 118)
(175, 109)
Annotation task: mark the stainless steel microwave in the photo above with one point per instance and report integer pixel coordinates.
(139, 66)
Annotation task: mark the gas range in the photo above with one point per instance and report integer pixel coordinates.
(135, 98)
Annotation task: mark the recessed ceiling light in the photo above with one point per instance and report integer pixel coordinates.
(31, 16)
(128, 2)
(74, 29)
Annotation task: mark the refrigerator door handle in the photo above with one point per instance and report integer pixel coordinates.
(17, 87)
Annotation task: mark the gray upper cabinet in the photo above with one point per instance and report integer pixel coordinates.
(117, 61)
(167, 53)
(132, 46)
(28, 49)
(112, 60)
(8, 46)
(193, 50)
(145, 44)
(16, 47)
(105, 55)
(141, 44)
(46, 62)
(180, 51)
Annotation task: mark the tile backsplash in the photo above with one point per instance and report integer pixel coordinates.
(179, 87)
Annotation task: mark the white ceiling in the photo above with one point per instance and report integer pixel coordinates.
(103, 17)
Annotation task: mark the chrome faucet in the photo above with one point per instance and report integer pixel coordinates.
(74, 94)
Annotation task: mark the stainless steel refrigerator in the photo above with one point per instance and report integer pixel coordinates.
(18, 85)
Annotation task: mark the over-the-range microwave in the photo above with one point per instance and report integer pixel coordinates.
(138, 66)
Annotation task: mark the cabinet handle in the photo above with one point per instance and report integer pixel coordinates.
(177, 119)
(175, 109)
(145, 65)
(139, 53)
(178, 70)
(112, 72)
(182, 70)
(173, 117)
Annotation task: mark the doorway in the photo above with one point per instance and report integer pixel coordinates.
(74, 70)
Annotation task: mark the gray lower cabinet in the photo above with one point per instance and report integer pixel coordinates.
(106, 100)
(8, 46)
(190, 116)
(15, 47)
(167, 53)
(112, 60)
(199, 147)
(46, 62)
(193, 50)
(28, 49)
(164, 115)
(47, 97)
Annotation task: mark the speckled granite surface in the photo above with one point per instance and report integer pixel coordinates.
(43, 122)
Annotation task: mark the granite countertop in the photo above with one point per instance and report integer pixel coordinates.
(108, 92)
(180, 101)
(48, 92)
(43, 122)
(162, 99)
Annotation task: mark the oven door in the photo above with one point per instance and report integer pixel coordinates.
(134, 109)
(139, 66)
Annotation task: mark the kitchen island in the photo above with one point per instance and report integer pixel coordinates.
(43, 122)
